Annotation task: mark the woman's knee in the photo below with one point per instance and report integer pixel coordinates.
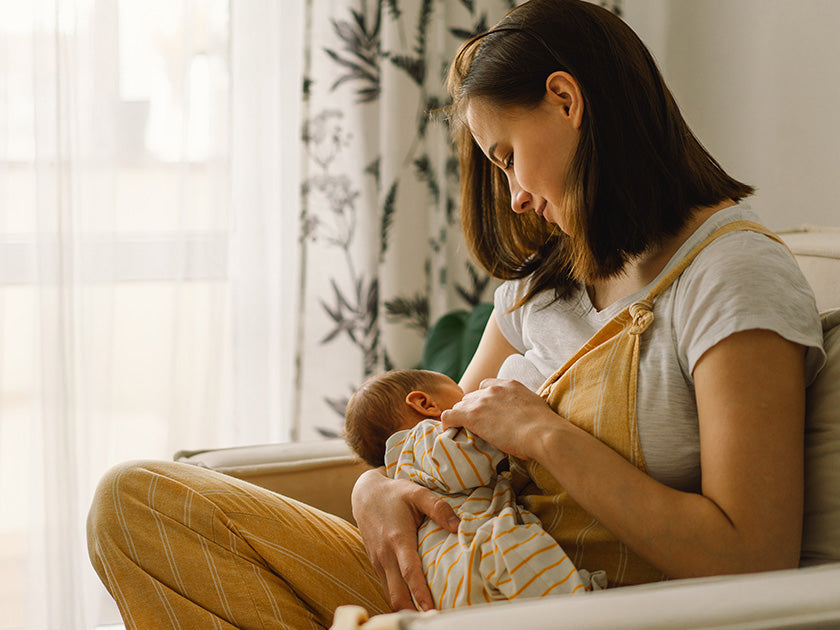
(120, 501)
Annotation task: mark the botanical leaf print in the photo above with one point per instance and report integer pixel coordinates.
(433, 104)
(361, 53)
(423, 24)
(383, 247)
(474, 294)
(332, 196)
(416, 68)
(373, 169)
(337, 405)
(330, 216)
(352, 314)
(393, 7)
(388, 210)
(414, 311)
(324, 137)
(424, 171)
(612, 5)
(480, 26)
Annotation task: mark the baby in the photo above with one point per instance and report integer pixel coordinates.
(500, 550)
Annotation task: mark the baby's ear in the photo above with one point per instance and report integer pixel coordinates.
(423, 404)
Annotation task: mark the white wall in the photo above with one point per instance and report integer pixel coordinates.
(759, 83)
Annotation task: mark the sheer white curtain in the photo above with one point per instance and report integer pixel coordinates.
(267, 53)
(144, 207)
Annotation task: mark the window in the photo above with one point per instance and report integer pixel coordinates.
(115, 278)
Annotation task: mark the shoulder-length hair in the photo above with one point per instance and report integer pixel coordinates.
(636, 176)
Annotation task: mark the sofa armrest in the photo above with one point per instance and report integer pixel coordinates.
(320, 473)
(798, 598)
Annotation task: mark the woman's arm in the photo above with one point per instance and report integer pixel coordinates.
(492, 351)
(750, 395)
(388, 513)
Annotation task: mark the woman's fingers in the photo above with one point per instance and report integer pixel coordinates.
(424, 503)
(400, 570)
(395, 587)
(388, 513)
(433, 506)
(412, 582)
(408, 579)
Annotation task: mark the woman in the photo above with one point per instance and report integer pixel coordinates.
(610, 191)
(562, 117)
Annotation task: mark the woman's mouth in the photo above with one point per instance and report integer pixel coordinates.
(541, 210)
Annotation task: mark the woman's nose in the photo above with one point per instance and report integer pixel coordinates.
(520, 199)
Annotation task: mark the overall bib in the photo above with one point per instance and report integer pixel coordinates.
(596, 391)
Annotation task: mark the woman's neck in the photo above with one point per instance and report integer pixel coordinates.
(642, 270)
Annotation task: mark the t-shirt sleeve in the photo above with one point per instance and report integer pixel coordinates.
(745, 281)
(510, 322)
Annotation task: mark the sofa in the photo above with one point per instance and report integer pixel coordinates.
(323, 473)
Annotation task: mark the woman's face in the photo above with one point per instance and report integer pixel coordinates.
(533, 147)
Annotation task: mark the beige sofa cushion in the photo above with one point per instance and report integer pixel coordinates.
(320, 473)
(821, 533)
(817, 251)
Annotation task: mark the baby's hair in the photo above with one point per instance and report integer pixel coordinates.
(376, 410)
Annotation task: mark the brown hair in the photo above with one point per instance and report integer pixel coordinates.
(638, 172)
(377, 408)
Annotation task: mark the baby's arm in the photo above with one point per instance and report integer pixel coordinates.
(446, 461)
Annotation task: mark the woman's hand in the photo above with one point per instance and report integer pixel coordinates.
(506, 414)
(388, 513)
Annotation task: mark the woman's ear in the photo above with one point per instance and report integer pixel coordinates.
(563, 90)
(423, 404)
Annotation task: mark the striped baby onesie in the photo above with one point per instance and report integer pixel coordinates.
(500, 551)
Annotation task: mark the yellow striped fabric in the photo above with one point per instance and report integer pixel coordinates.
(184, 547)
(500, 550)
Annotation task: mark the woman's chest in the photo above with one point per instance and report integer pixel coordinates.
(665, 407)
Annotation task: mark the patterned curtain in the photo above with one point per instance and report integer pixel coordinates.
(382, 254)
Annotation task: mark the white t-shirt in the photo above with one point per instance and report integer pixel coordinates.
(741, 281)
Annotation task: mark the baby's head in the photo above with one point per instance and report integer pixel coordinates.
(393, 401)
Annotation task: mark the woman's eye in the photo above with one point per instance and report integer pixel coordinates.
(509, 163)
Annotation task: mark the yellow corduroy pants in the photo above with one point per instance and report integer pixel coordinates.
(184, 547)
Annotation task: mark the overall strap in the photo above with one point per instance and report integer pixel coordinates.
(735, 226)
(641, 311)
